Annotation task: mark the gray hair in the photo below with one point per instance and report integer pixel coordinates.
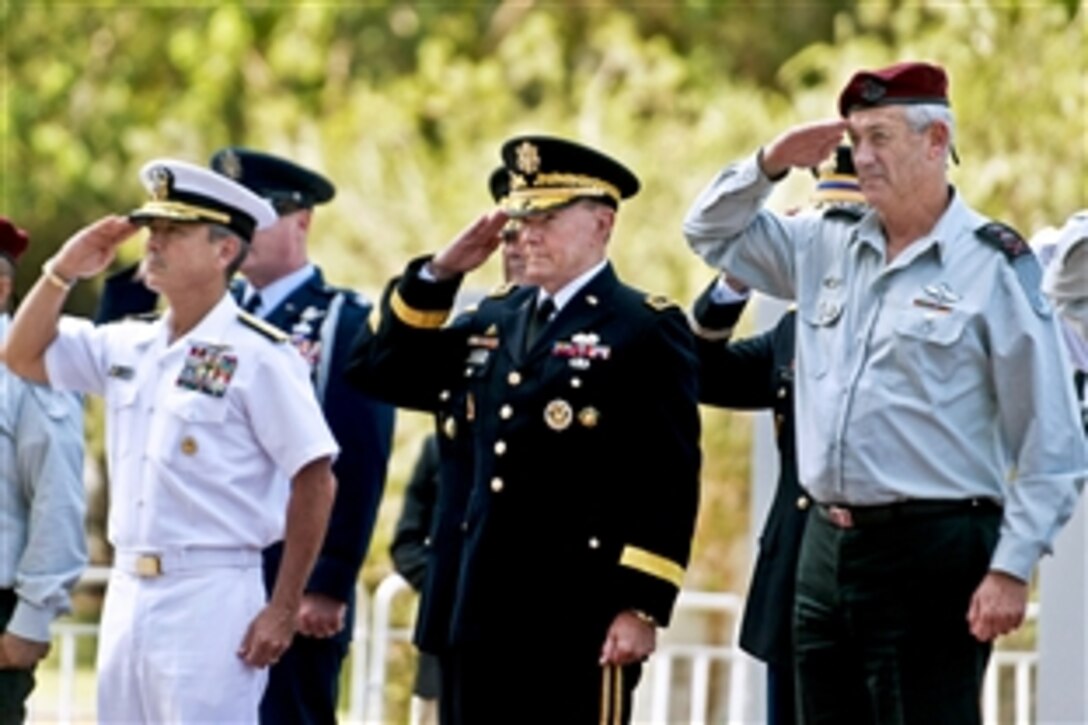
(922, 116)
(217, 232)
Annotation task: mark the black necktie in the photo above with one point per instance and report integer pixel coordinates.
(538, 320)
(253, 303)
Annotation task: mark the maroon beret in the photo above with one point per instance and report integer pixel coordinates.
(904, 83)
(13, 240)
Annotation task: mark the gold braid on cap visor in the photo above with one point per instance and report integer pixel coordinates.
(551, 189)
(182, 212)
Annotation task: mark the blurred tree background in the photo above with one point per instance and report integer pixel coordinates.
(404, 104)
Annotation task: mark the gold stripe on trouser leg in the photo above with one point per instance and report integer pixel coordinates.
(617, 696)
(611, 695)
(606, 686)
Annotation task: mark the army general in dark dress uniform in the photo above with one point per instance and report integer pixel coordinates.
(579, 404)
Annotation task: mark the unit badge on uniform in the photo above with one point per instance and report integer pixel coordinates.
(121, 372)
(582, 349)
(208, 369)
(304, 334)
(558, 414)
(589, 417)
(939, 297)
(480, 347)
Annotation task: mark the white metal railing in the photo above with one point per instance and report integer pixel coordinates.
(374, 634)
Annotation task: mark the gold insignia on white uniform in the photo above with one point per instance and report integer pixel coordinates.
(188, 445)
(161, 180)
(589, 417)
(558, 414)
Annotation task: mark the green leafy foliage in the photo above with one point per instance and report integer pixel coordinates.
(405, 105)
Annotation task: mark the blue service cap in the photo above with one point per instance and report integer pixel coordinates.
(287, 185)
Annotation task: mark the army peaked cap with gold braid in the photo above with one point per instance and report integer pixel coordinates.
(186, 192)
(549, 173)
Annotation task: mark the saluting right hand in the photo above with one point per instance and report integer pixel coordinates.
(90, 250)
(471, 247)
(804, 146)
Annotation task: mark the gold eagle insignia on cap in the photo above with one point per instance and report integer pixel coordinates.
(528, 157)
(161, 180)
(230, 165)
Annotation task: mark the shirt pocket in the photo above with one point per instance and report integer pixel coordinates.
(930, 342)
(126, 430)
(193, 429)
(821, 325)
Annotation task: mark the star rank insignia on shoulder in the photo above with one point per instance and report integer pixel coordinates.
(272, 332)
(1018, 253)
(502, 290)
(659, 303)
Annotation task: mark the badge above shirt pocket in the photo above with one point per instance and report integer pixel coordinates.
(933, 341)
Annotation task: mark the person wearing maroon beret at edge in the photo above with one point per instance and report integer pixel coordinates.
(939, 453)
(42, 545)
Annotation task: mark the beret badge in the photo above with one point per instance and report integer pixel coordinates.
(872, 90)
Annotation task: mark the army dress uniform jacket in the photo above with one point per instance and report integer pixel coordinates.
(586, 461)
(453, 449)
(756, 373)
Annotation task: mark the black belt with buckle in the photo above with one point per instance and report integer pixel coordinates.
(852, 517)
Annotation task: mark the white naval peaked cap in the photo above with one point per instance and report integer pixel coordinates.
(189, 193)
(1073, 232)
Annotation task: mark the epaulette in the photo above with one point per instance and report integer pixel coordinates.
(272, 332)
(1008, 241)
(659, 302)
(502, 290)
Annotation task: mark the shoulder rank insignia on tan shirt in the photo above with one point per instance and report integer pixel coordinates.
(272, 332)
(659, 302)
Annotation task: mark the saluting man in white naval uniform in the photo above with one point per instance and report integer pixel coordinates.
(215, 444)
